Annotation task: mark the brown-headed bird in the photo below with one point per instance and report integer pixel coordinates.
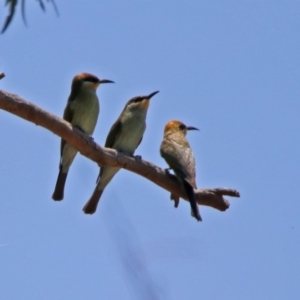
(176, 151)
(82, 112)
(125, 135)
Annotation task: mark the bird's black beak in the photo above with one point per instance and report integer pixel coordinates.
(106, 81)
(191, 128)
(151, 95)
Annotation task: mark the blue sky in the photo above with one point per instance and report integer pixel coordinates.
(230, 68)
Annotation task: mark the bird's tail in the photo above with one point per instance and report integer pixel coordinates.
(91, 205)
(58, 193)
(191, 196)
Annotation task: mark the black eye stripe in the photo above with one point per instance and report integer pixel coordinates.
(92, 79)
(182, 127)
(136, 100)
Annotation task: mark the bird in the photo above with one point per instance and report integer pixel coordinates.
(82, 112)
(176, 151)
(125, 136)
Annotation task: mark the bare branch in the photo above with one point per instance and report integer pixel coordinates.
(109, 157)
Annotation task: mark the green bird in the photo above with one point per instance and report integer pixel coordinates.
(125, 136)
(82, 111)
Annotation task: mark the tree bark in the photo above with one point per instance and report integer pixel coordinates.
(110, 157)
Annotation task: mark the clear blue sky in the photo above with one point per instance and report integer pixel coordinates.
(231, 68)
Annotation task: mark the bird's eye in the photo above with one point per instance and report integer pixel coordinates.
(137, 100)
(182, 127)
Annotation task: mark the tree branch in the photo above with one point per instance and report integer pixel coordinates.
(110, 157)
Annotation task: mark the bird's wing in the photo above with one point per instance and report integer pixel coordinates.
(68, 116)
(68, 112)
(190, 167)
(112, 135)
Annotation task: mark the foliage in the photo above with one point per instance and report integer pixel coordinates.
(12, 4)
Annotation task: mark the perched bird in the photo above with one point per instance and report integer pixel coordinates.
(176, 151)
(82, 111)
(125, 135)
